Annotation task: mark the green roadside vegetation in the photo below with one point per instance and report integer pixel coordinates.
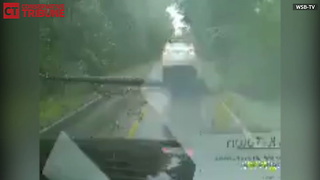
(242, 38)
(54, 108)
(96, 38)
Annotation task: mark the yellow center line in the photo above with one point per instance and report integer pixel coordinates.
(133, 129)
(135, 125)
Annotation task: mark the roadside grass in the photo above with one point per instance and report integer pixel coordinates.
(55, 107)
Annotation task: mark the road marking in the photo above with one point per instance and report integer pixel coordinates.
(223, 119)
(135, 126)
(238, 121)
(133, 129)
(66, 117)
(225, 116)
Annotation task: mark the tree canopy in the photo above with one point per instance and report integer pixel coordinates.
(101, 36)
(243, 38)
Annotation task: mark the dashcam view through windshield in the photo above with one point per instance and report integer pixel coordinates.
(170, 89)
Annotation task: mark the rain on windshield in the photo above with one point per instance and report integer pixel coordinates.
(205, 74)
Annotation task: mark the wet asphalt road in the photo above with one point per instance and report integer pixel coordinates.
(149, 121)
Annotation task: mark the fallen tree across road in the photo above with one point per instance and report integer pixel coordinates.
(126, 81)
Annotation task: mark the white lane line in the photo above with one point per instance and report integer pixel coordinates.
(237, 120)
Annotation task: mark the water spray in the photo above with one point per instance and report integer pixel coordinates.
(177, 17)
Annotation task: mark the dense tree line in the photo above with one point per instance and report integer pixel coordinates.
(243, 38)
(101, 36)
